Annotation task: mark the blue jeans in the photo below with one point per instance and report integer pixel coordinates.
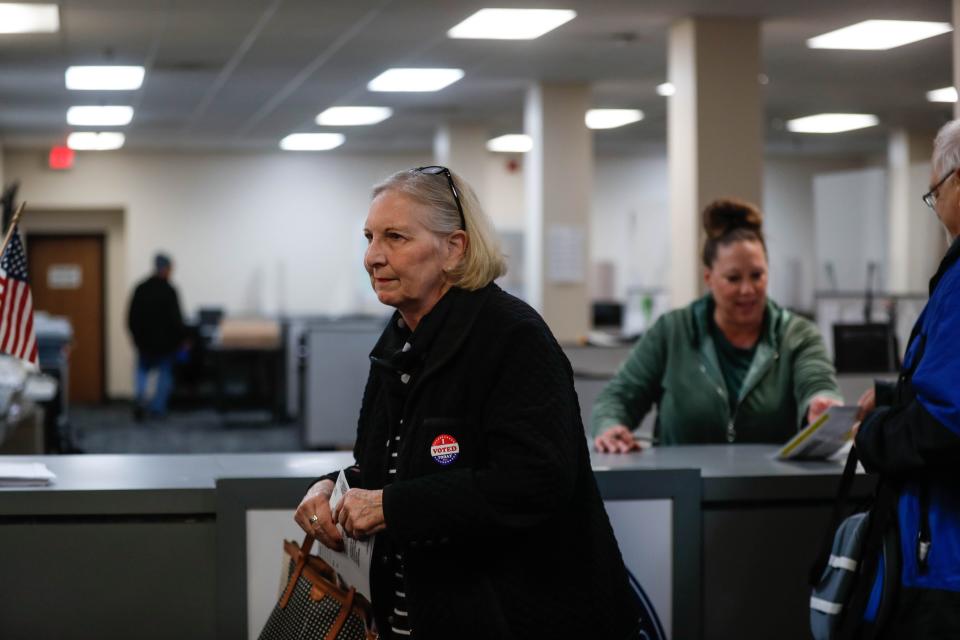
(164, 367)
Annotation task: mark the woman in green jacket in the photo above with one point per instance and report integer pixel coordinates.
(731, 367)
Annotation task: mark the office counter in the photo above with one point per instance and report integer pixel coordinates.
(162, 546)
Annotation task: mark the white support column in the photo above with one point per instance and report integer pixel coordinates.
(714, 132)
(559, 178)
(916, 240)
(462, 148)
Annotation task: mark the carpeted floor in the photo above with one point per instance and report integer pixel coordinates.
(112, 429)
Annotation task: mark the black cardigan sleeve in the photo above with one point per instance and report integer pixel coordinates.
(532, 433)
(903, 439)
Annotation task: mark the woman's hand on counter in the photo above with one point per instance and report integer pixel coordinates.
(360, 513)
(617, 439)
(316, 505)
(819, 405)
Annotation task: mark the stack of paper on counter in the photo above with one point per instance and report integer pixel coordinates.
(25, 474)
(824, 438)
(353, 563)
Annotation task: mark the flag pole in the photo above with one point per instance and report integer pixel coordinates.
(12, 228)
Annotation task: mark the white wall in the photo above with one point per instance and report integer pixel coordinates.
(251, 233)
(788, 206)
(630, 222)
(630, 226)
(850, 227)
(267, 233)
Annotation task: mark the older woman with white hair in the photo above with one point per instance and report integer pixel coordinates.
(471, 465)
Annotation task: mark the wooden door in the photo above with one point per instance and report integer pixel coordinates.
(66, 277)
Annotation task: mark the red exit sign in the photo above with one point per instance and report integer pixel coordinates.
(61, 158)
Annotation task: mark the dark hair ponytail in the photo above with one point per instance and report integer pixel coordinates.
(730, 220)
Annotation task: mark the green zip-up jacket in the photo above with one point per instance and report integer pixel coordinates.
(675, 366)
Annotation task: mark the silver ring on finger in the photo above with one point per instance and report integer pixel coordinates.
(314, 519)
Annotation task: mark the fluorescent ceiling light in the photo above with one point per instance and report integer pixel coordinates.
(511, 24)
(353, 116)
(414, 79)
(91, 141)
(832, 122)
(104, 78)
(312, 141)
(666, 89)
(611, 118)
(99, 116)
(510, 143)
(29, 18)
(947, 94)
(878, 34)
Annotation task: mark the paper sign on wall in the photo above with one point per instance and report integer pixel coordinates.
(566, 251)
(64, 276)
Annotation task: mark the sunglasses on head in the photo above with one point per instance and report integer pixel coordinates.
(436, 170)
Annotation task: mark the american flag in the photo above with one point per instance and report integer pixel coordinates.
(17, 336)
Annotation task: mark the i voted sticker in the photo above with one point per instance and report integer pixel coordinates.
(444, 449)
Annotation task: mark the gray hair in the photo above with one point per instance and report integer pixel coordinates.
(483, 261)
(946, 149)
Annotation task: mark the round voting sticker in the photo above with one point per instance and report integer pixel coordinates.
(444, 449)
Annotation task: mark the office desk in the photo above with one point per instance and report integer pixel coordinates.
(166, 545)
(249, 378)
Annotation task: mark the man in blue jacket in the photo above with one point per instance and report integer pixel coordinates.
(912, 439)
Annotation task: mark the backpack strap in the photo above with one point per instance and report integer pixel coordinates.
(839, 508)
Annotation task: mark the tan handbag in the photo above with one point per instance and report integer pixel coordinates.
(314, 606)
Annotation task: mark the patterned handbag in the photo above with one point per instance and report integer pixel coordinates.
(314, 606)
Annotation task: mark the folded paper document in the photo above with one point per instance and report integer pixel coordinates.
(25, 474)
(822, 439)
(353, 563)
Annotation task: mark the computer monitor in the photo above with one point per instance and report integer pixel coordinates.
(865, 348)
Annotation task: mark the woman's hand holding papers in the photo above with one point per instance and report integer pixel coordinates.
(315, 517)
(360, 513)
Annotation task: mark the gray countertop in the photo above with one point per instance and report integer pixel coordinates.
(184, 484)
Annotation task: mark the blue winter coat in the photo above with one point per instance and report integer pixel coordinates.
(914, 443)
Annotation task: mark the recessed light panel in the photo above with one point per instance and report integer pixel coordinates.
(104, 78)
(832, 122)
(312, 141)
(947, 94)
(510, 143)
(29, 18)
(611, 118)
(400, 79)
(511, 24)
(353, 116)
(879, 34)
(666, 89)
(99, 116)
(95, 141)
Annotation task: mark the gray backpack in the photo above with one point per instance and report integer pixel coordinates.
(845, 577)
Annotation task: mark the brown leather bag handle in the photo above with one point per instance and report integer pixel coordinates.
(297, 570)
(345, 608)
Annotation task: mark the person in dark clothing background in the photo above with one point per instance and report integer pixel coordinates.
(156, 326)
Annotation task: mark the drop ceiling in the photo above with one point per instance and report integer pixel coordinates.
(235, 75)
